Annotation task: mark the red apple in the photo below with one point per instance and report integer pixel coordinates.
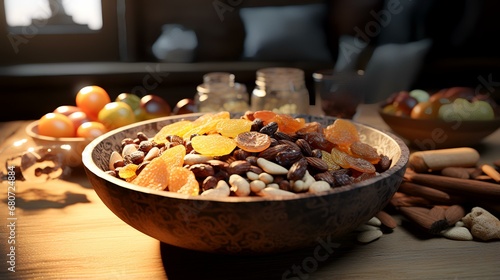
(154, 107)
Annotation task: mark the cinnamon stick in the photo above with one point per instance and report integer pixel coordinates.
(478, 189)
(428, 193)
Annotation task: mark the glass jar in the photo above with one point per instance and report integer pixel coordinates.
(219, 92)
(280, 89)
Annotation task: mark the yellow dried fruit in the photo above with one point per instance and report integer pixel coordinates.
(154, 175)
(232, 127)
(213, 145)
(128, 172)
(178, 128)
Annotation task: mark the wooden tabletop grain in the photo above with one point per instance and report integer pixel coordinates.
(62, 230)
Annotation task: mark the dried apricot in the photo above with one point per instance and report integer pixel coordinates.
(154, 175)
(365, 151)
(347, 161)
(310, 127)
(361, 165)
(341, 132)
(182, 180)
(128, 172)
(288, 124)
(178, 128)
(213, 145)
(264, 115)
(253, 141)
(232, 127)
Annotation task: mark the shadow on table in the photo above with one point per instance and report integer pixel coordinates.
(36, 199)
(300, 264)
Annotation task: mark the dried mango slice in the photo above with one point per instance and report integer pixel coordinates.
(341, 132)
(264, 115)
(232, 127)
(182, 180)
(178, 128)
(288, 124)
(174, 156)
(206, 128)
(203, 119)
(154, 175)
(213, 145)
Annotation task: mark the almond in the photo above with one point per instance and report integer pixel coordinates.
(317, 164)
(454, 214)
(386, 219)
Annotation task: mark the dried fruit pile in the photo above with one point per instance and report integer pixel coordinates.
(262, 153)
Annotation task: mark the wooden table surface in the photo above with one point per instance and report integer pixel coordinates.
(63, 231)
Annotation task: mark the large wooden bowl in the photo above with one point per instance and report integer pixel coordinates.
(251, 225)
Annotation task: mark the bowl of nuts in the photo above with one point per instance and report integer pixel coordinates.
(449, 118)
(247, 184)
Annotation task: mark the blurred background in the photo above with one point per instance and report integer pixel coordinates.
(52, 48)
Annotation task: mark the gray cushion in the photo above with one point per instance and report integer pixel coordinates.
(285, 33)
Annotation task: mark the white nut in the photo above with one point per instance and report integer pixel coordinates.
(239, 185)
(271, 167)
(128, 149)
(272, 192)
(273, 185)
(115, 156)
(154, 152)
(298, 186)
(266, 178)
(308, 179)
(369, 236)
(457, 233)
(374, 221)
(221, 190)
(191, 159)
(252, 176)
(257, 185)
(319, 186)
